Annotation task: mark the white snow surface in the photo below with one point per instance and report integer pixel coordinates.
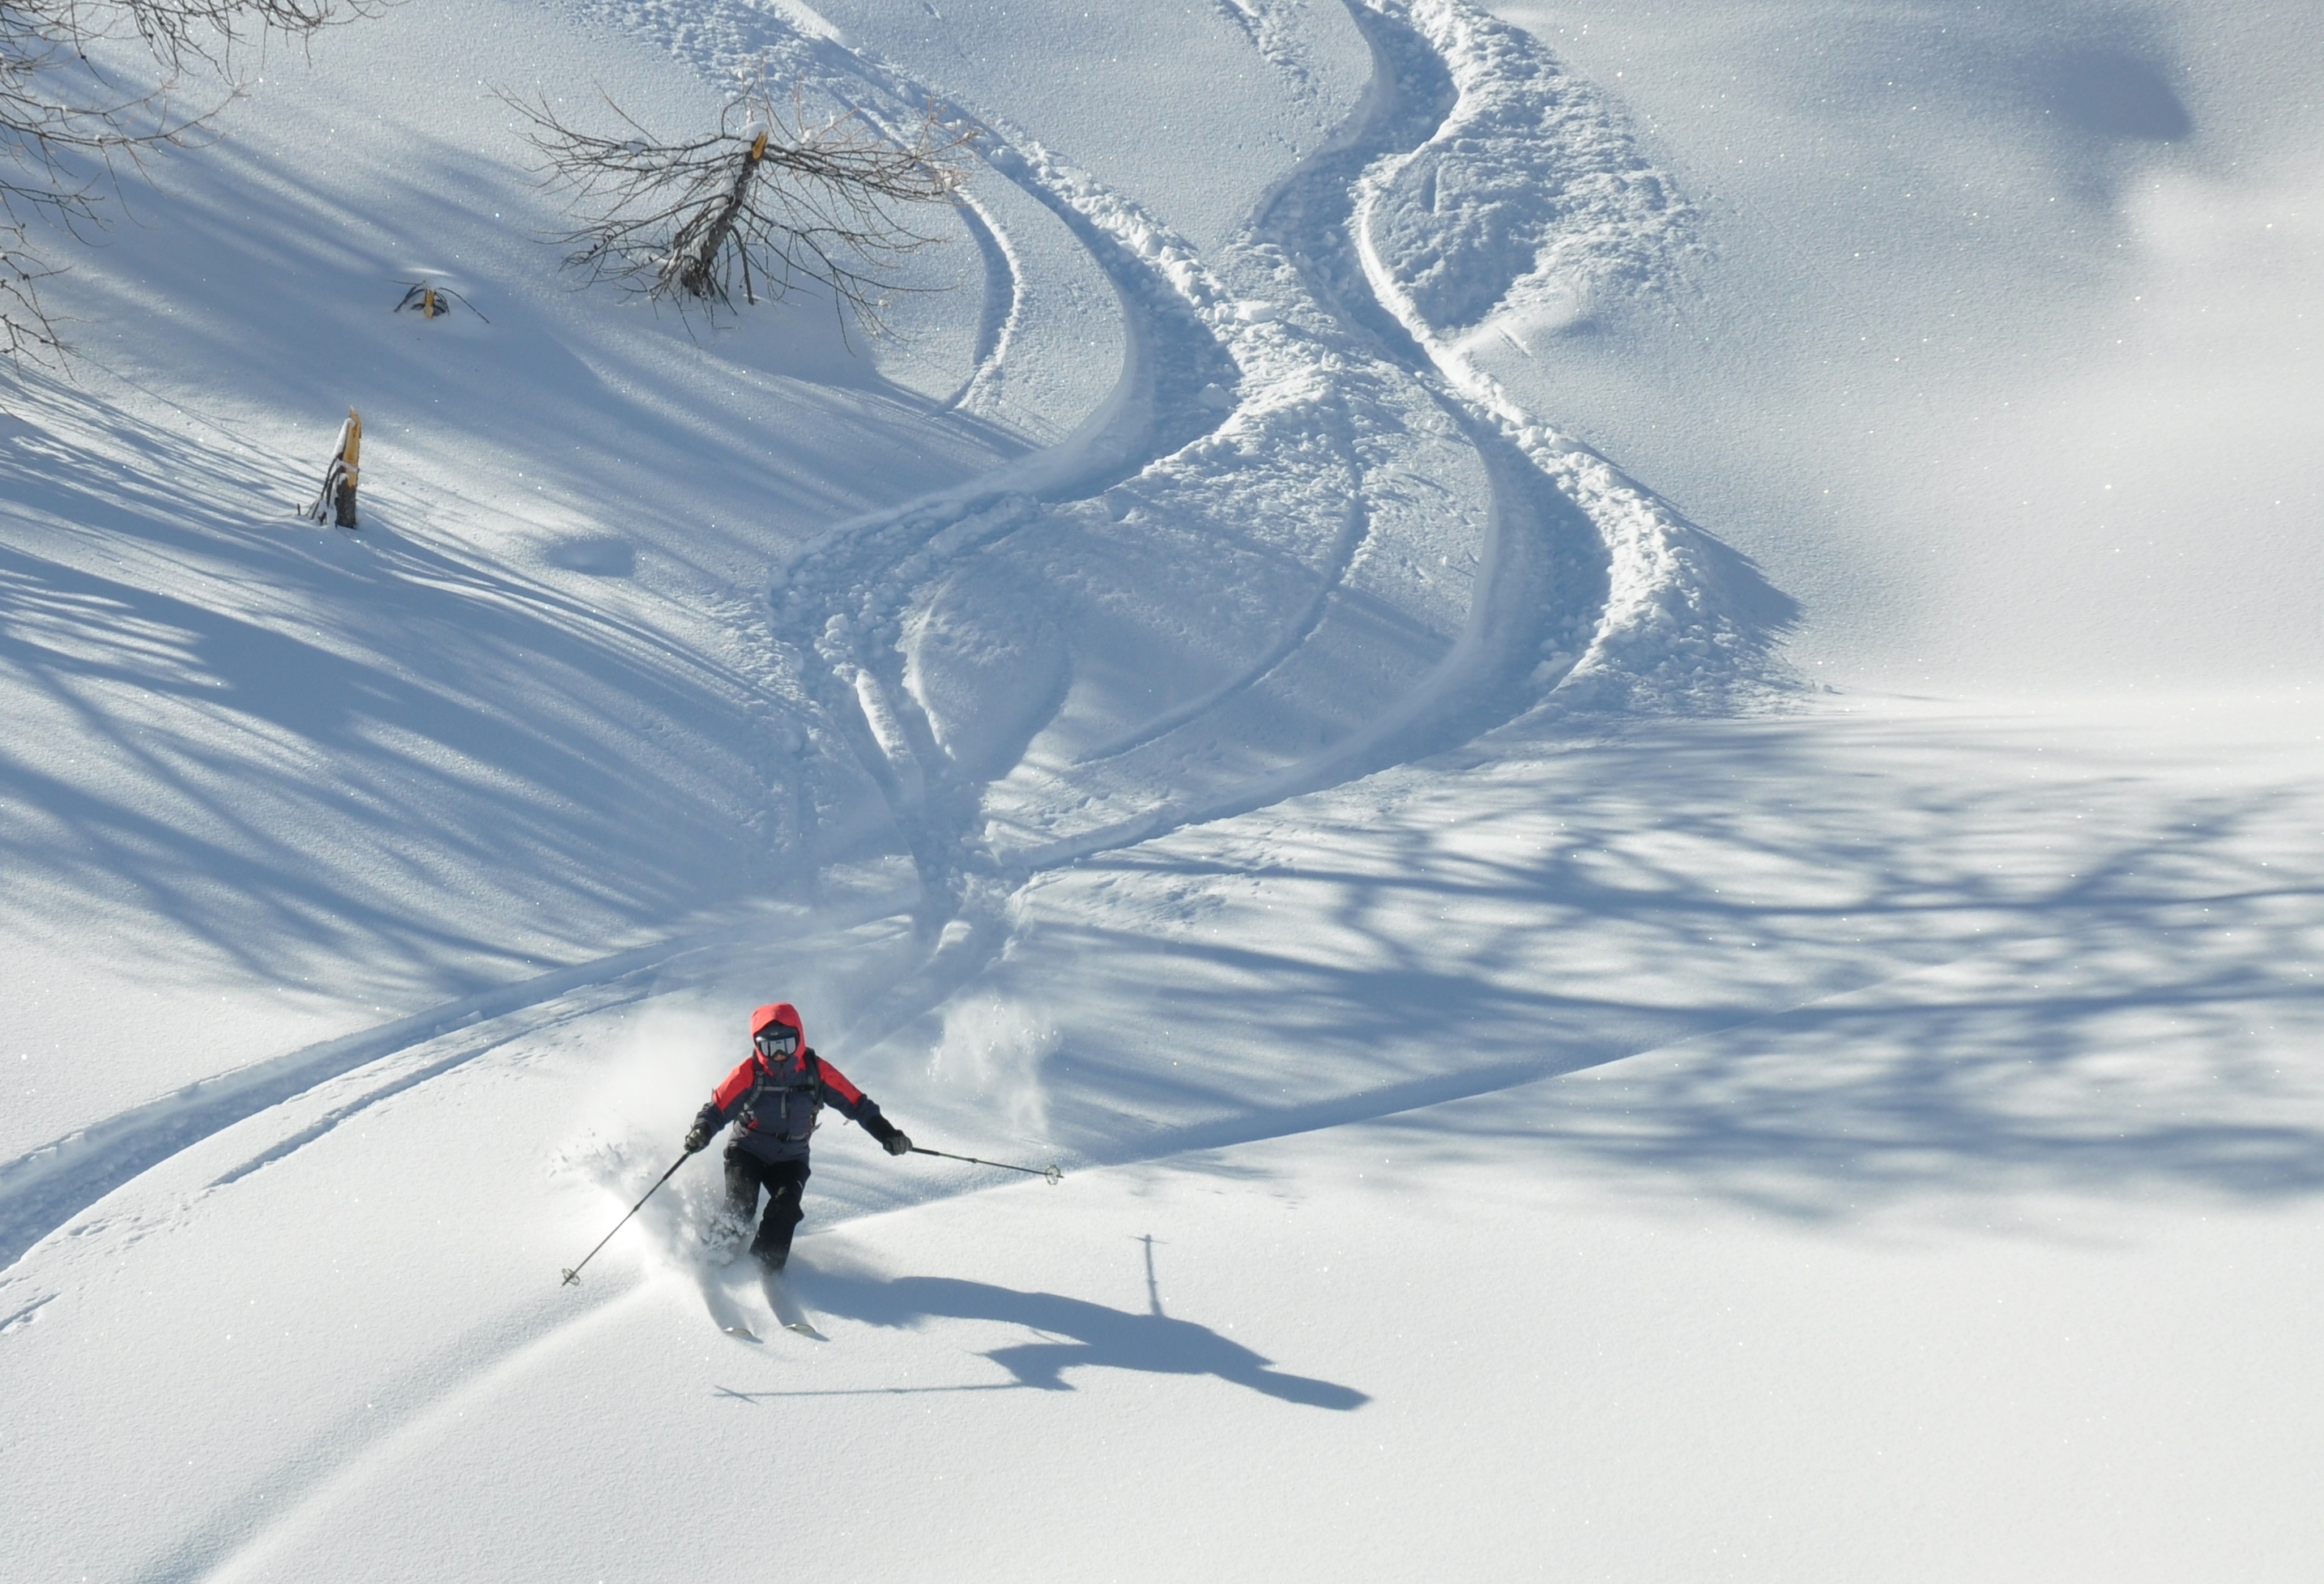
(1605, 712)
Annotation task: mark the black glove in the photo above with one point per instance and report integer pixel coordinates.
(706, 1123)
(897, 1142)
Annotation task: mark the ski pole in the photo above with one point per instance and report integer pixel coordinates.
(1049, 1171)
(573, 1277)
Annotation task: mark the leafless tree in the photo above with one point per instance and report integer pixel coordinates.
(69, 133)
(764, 203)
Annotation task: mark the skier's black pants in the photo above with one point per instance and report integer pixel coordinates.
(786, 1185)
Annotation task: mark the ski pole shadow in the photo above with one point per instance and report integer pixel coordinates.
(1077, 1334)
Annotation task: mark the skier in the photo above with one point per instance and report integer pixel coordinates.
(773, 1098)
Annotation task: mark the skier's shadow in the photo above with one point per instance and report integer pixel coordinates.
(1088, 1336)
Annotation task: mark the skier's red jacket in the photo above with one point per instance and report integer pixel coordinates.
(773, 1103)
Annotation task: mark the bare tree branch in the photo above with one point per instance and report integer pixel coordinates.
(68, 135)
(760, 205)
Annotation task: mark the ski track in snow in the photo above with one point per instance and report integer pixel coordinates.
(1281, 411)
(45, 1189)
(1295, 428)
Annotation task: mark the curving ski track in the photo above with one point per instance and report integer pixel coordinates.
(1293, 380)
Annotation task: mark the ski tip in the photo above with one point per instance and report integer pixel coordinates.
(805, 1330)
(740, 1332)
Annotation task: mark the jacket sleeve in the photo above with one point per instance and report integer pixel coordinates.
(852, 1102)
(724, 1099)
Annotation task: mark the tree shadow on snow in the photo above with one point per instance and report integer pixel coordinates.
(1845, 971)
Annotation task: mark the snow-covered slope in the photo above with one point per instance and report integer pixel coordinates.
(1226, 701)
(2002, 357)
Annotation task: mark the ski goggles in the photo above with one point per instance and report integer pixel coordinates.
(779, 1041)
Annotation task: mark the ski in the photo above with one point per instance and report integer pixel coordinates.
(787, 1311)
(724, 1312)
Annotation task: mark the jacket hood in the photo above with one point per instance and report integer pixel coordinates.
(781, 1012)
